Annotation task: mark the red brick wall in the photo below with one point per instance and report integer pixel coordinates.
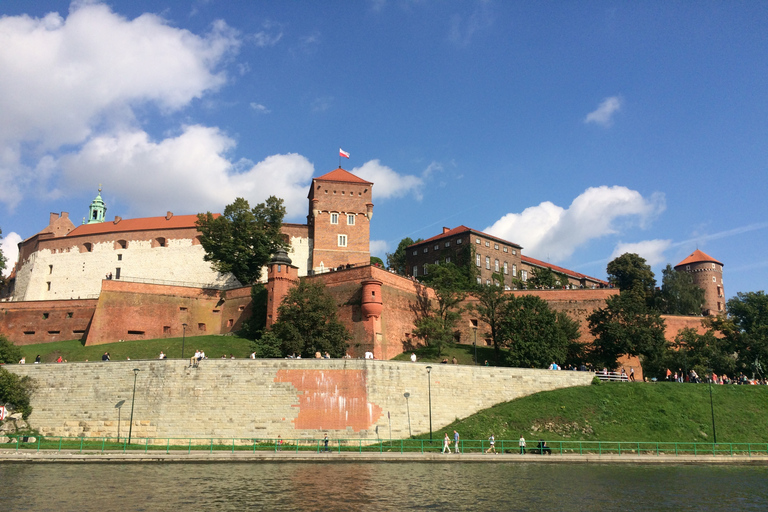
(25, 323)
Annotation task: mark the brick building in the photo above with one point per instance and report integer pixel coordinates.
(707, 274)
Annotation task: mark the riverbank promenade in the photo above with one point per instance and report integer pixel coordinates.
(202, 456)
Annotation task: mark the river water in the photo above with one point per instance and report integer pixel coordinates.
(381, 486)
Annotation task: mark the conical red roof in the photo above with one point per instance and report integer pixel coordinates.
(342, 176)
(698, 257)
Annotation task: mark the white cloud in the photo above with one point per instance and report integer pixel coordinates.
(603, 115)
(388, 183)
(10, 249)
(651, 250)
(63, 80)
(550, 231)
(189, 169)
(379, 248)
(270, 36)
(258, 107)
(463, 29)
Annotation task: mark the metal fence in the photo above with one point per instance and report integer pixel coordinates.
(210, 445)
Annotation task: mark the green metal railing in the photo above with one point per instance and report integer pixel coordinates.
(210, 445)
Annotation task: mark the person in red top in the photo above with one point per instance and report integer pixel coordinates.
(59, 359)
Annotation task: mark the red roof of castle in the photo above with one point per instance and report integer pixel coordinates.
(698, 257)
(143, 224)
(464, 229)
(343, 176)
(555, 268)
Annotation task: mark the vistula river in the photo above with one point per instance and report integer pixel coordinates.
(381, 486)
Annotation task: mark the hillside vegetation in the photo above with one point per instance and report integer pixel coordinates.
(643, 412)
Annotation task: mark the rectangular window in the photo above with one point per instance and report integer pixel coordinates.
(496, 246)
(334, 218)
(415, 270)
(49, 285)
(488, 262)
(514, 251)
(477, 241)
(117, 273)
(448, 259)
(50, 269)
(496, 266)
(458, 242)
(506, 268)
(119, 257)
(514, 270)
(350, 219)
(487, 243)
(448, 243)
(437, 262)
(425, 269)
(477, 260)
(426, 250)
(524, 275)
(342, 240)
(479, 280)
(506, 249)
(488, 282)
(437, 247)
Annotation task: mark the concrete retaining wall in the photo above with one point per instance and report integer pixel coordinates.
(266, 398)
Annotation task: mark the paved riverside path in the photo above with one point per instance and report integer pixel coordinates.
(64, 456)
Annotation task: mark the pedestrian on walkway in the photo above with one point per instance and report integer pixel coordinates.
(325, 443)
(456, 441)
(522, 444)
(446, 444)
(492, 441)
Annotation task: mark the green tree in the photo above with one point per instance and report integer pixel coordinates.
(436, 320)
(308, 323)
(490, 307)
(254, 326)
(9, 353)
(746, 330)
(243, 239)
(268, 346)
(375, 260)
(626, 325)
(397, 260)
(537, 335)
(702, 353)
(546, 278)
(679, 295)
(16, 391)
(630, 272)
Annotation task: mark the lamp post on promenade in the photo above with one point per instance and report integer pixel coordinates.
(712, 407)
(119, 407)
(429, 383)
(474, 328)
(133, 399)
(408, 408)
(183, 338)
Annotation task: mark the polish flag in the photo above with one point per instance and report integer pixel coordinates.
(343, 153)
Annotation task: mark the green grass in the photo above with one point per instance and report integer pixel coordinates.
(640, 412)
(214, 346)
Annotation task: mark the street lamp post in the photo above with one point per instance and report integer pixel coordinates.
(712, 407)
(408, 408)
(119, 407)
(474, 328)
(429, 383)
(183, 338)
(133, 399)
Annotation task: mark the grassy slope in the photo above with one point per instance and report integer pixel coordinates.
(627, 412)
(214, 346)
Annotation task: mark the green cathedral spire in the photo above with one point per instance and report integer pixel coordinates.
(97, 210)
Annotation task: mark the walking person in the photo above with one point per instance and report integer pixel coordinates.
(325, 443)
(456, 441)
(446, 444)
(492, 441)
(521, 442)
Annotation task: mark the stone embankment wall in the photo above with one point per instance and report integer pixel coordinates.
(261, 399)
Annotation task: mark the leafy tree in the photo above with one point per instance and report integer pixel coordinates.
(9, 353)
(746, 330)
(307, 322)
(16, 391)
(253, 327)
(243, 239)
(490, 308)
(537, 335)
(375, 260)
(702, 353)
(626, 325)
(397, 260)
(630, 272)
(268, 346)
(436, 321)
(546, 278)
(679, 295)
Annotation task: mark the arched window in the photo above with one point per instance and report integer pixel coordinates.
(159, 242)
(86, 247)
(121, 244)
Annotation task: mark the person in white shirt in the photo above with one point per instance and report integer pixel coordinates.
(195, 358)
(253, 355)
(23, 360)
(162, 355)
(413, 357)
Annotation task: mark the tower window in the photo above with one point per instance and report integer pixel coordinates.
(342, 240)
(334, 218)
(50, 269)
(350, 219)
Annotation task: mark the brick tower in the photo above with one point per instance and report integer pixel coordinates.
(339, 220)
(282, 275)
(707, 274)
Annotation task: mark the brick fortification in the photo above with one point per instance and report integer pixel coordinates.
(263, 399)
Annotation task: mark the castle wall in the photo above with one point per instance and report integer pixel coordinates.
(261, 399)
(133, 311)
(25, 323)
(300, 251)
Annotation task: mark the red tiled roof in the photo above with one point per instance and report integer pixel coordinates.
(698, 257)
(555, 268)
(143, 224)
(342, 176)
(464, 229)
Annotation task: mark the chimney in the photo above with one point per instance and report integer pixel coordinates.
(168, 215)
(118, 219)
(53, 218)
(445, 230)
(64, 215)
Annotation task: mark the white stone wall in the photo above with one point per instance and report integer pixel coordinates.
(300, 254)
(76, 275)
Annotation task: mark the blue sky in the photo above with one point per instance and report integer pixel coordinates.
(579, 130)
